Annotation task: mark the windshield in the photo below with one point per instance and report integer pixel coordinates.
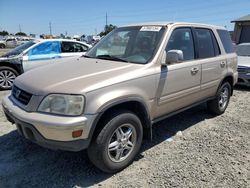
(19, 49)
(129, 44)
(243, 50)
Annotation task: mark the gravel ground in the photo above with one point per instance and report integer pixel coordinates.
(191, 149)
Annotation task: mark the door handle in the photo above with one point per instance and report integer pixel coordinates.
(194, 70)
(222, 64)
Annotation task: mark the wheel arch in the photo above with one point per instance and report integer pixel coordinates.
(135, 105)
(228, 78)
(16, 67)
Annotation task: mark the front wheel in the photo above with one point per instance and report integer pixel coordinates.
(7, 77)
(2, 46)
(220, 103)
(118, 142)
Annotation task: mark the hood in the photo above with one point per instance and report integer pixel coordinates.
(11, 59)
(244, 61)
(76, 76)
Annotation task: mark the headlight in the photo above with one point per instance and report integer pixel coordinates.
(71, 105)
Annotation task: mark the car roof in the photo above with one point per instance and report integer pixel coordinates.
(67, 40)
(167, 23)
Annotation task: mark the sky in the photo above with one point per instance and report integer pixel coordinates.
(78, 17)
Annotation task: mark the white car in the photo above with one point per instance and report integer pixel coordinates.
(36, 53)
(243, 52)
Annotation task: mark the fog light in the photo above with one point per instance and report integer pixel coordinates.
(77, 133)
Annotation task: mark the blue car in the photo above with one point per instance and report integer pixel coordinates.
(37, 53)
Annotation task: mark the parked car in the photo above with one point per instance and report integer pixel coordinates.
(2, 44)
(134, 77)
(243, 52)
(91, 39)
(11, 42)
(36, 53)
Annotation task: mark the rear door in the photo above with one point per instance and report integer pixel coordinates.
(179, 84)
(42, 54)
(69, 49)
(213, 63)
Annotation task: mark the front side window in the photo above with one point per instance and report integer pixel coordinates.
(71, 47)
(50, 47)
(205, 43)
(135, 44)
(10, 40)
(182, 39)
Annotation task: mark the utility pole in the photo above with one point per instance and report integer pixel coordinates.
(20, 30)
(50, 28)
(106, 21)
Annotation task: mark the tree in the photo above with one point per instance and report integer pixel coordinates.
(21, 34)
(4, 33)
(107, 29)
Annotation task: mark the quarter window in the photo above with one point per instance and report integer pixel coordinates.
(71, 47)
(226, 40)
(182, 39)
(205, 43)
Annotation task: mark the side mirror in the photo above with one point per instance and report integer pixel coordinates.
(173, 56)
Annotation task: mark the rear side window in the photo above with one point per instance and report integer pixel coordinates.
(71, 47)
(206, 43)
(226, 40)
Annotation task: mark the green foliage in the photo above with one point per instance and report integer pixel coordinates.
(21, 34)
(4, 33)
(107, 29)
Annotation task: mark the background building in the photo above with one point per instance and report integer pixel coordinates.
(242, 29)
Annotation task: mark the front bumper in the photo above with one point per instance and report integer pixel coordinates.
(50, 131)
(244, 79)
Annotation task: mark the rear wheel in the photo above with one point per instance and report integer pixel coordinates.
(115, 147)
(220, 103)
(7, 77)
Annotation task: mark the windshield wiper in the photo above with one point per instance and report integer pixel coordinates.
(87, 56)
(109, 57)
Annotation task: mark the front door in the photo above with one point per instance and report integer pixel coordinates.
(42, 54)
(179, 84)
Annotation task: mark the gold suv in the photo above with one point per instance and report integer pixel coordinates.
(107, 100)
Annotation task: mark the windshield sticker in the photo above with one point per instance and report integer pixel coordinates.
(151, 28)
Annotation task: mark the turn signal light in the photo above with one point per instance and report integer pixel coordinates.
(76, 134)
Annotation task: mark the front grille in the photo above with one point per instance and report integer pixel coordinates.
(21, 95)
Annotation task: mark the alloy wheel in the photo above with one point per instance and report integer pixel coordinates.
(223, 99)
(122, 143)
(6, 78)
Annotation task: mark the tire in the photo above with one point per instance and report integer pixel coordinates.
(219, 104)
(112, 151)
(2, 46)
(7, 77)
